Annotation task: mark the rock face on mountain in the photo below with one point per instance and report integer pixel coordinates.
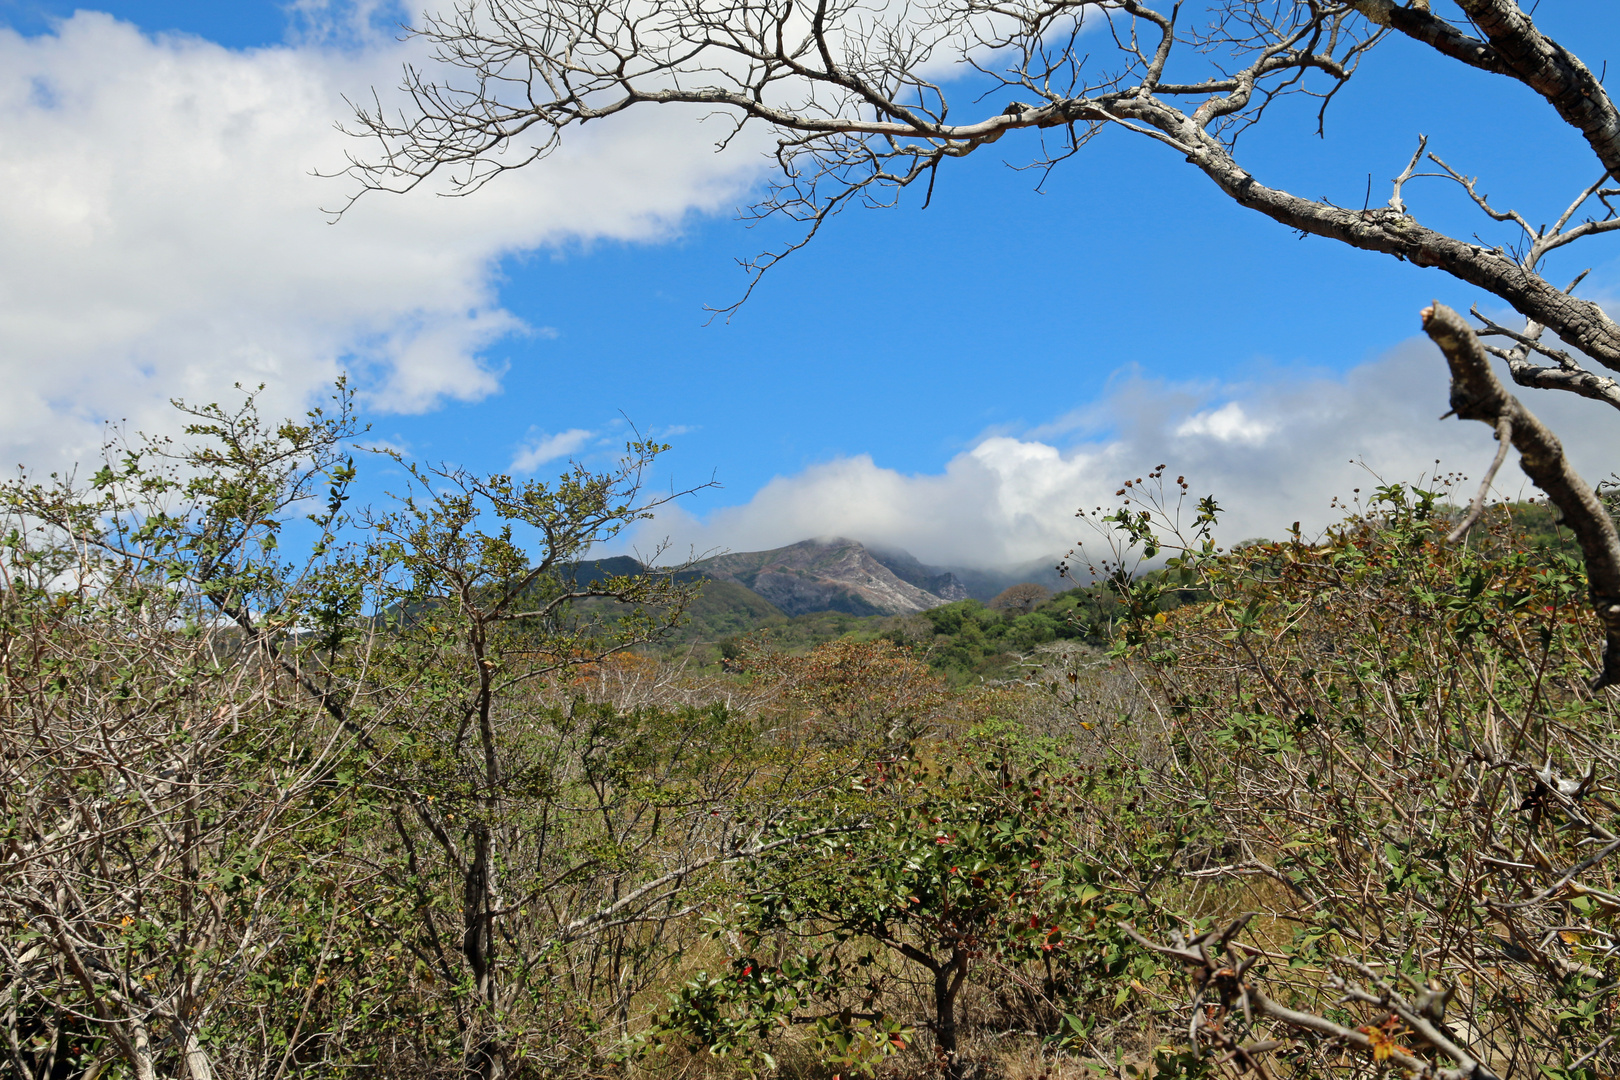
(835, 575)
(944, 584)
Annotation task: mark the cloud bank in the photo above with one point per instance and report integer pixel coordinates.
(163, 234)
(1272, 452)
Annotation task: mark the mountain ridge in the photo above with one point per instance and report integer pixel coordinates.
(841, 575)
(836, 574)
(830, 575)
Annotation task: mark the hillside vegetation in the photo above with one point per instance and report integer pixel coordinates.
(976, 641)
(415, 805)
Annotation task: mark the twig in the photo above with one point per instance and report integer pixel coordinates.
(1395, 202)
(1504, 438)
(1567, 877)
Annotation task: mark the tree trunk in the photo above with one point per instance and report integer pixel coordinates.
(948, 979)
(141, 1053)
(485, 1059)
(197, 1058)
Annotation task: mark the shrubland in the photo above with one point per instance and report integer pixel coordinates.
(967, 641)
(1329, 805)
(410, 803)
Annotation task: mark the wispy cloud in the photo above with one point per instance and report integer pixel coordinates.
(541, 448)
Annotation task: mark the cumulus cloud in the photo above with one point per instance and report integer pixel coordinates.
(1271, 452)
(542, 448)
(163, 233)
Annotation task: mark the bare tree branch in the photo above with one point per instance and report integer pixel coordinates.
(1224, 982)
(1504, 438)
(858, 115)
(1551, 71)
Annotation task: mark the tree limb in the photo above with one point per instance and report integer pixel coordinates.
(1435, 32)
(1476, 394)
(1551, 71)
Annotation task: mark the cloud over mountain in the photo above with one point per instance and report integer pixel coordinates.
(1271, 453)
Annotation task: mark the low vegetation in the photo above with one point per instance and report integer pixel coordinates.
(420, 802)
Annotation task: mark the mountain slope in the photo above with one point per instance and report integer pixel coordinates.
(746, 588)
(828, 575)
(944, 584)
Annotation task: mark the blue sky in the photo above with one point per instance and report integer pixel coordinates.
(954, 380)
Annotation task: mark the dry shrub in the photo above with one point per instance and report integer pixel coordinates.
(1385, 745)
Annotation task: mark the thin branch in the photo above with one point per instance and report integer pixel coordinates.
(1504, 438)
(1469, 185)
(1396, 203)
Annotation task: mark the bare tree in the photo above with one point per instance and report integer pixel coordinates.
(855, 93)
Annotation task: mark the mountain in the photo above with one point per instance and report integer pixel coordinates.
(826, 576)
(944, 584)
(835, 575)
(964, 583)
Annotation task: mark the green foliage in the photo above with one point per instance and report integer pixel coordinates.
(292, 792)
(974, 865)
(964, 641)
(736, 1012)
(414, 804)
(161, 769)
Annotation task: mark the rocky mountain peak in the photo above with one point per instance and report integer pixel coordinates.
(836, 575)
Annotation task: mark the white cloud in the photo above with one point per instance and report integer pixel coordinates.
(1229, 423)
(1271, 454)
(542, 448)
(162, 234)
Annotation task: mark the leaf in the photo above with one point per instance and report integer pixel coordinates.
(1383, 1047)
